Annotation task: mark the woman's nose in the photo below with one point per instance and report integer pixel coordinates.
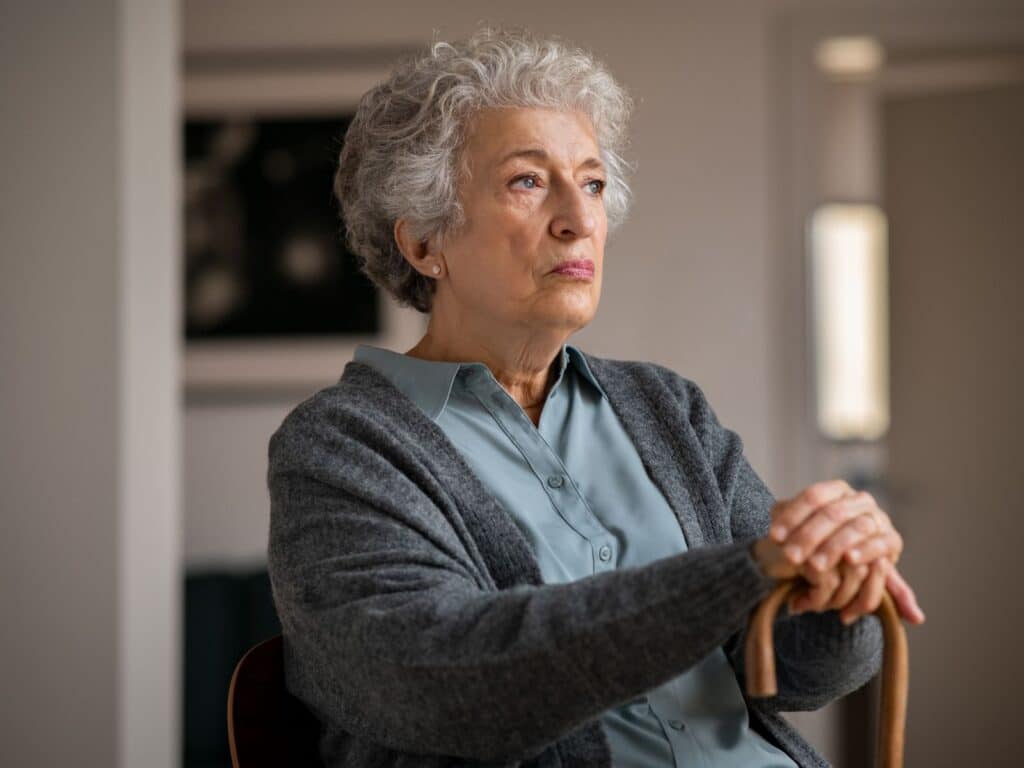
(574, 218)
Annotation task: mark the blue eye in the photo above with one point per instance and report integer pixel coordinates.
(531, 179)
(600, 184)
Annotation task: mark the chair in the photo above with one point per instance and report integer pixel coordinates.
(267, 726)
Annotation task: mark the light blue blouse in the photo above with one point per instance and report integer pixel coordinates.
(576, 488)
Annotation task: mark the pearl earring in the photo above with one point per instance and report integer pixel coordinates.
(437, 270)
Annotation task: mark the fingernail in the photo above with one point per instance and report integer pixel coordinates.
(794, 553)
(778, 532)
(818, 561)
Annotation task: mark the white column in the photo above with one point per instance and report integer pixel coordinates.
(150, 519)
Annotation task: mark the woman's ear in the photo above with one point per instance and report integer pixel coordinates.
(414, 250)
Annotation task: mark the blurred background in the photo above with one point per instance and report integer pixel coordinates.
(827, 236)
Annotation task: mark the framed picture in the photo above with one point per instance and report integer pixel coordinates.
(273, 299)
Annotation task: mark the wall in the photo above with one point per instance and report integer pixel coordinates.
(954, 190)
(90, 553)
(913, 34)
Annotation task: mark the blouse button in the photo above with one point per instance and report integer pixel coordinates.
(605, 553)
(555, 481)
(676, 724)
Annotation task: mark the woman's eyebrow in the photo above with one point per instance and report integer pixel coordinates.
(540, 154)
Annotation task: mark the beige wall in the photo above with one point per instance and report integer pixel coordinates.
(89, 417)
(954, 192)
(59, 572)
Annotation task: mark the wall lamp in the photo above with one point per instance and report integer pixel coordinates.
(849, 279)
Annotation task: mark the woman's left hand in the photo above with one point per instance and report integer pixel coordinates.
(854, 590)
(846, 548)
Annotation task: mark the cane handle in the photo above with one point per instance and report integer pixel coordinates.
(760, 667)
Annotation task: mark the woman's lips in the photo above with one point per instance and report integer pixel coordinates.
(581, 268)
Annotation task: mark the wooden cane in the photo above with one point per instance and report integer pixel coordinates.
(760, 667)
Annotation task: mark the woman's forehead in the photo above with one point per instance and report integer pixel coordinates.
(502, 134)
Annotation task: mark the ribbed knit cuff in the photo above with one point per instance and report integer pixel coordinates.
(767, 582)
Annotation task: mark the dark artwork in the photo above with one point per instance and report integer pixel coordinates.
(264, 246)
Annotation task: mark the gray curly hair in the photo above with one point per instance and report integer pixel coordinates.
(402, 152)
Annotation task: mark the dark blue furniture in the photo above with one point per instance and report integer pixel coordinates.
(226, 613)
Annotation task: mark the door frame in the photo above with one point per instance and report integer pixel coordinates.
(929, 46)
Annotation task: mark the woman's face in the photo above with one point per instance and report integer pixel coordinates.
(533, 199)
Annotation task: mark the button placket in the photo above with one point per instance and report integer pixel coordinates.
(566, 498)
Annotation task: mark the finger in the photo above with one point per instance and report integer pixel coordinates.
(884, 521)
(853, 578)
(830, 553)
(787, 515)
(821, 524)
(819, 594)
(797, 596)
(794, 599)
(800, 592)
(870, 593)
(888, 545)
(885, 525)
(904, 597)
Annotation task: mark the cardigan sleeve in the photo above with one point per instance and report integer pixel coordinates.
(390, 635)
(818, 658)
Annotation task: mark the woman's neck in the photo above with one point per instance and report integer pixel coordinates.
(525, 372)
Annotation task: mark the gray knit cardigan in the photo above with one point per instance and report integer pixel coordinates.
(417, 627)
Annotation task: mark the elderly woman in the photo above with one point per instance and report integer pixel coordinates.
(498, 549)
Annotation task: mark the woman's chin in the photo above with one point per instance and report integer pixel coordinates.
(571, 310)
